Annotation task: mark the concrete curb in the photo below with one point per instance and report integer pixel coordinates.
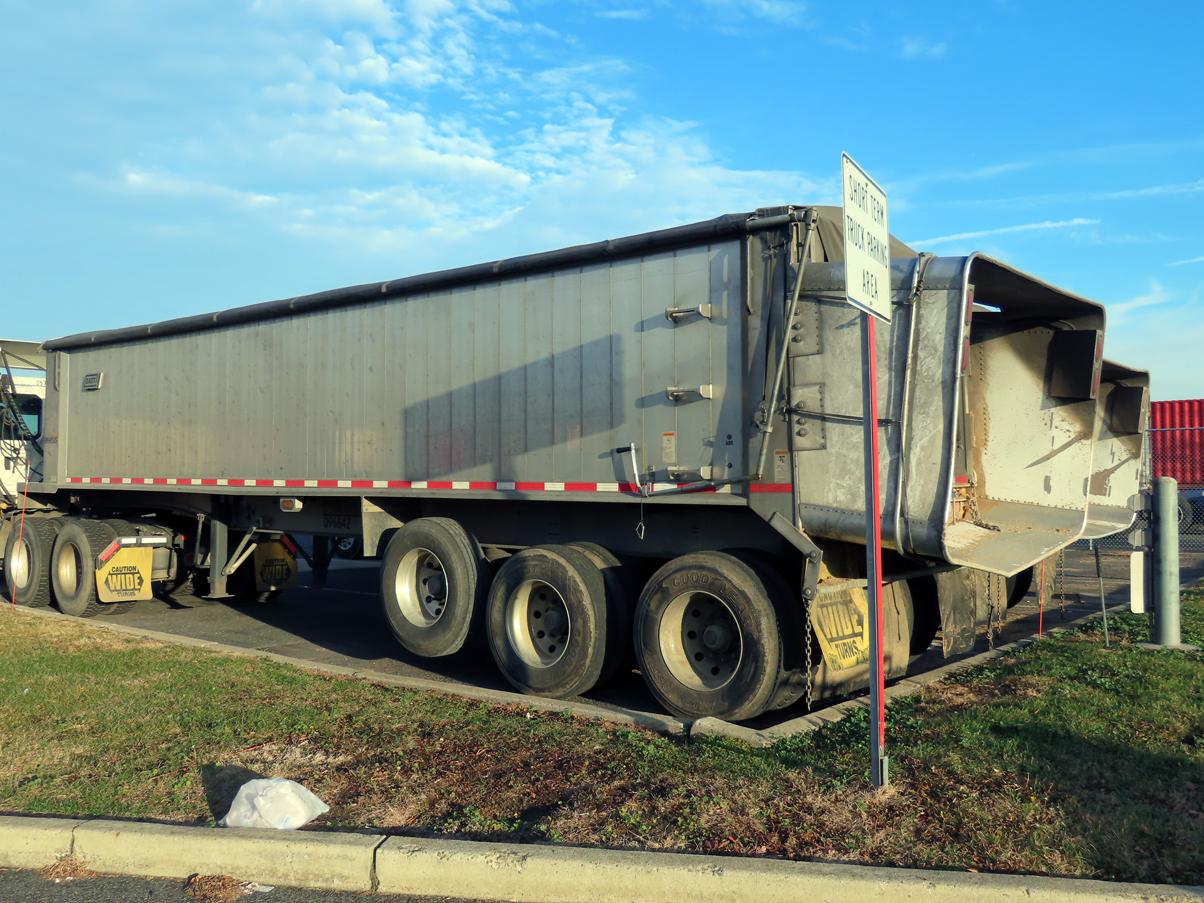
(664, 724)
(515, 872)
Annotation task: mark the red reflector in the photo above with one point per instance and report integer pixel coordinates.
(110, 551)
(288, 543)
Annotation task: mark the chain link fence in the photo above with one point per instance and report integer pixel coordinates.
(1176, 452)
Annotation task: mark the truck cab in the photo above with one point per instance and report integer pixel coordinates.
(22, 395)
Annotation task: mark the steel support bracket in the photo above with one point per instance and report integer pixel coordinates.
(675, 314)
(813, 555)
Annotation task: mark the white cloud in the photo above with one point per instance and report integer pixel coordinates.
(1005, 230)
(375, 12)
(624, 15)
(1157, 294)
(731, 13)
(1151, 191)
(1164, 339)
(158, 184)
(922, 49)
(448, 121)
(1188, 262)
(1171, 189)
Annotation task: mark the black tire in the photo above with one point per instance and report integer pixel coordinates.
(350, 548)
(438, 623)
(73, 566)
(731, 673)
(555, 585)
(1018, 586)
(791, 614)
(37, 542)
(620, 600)
(926, 612)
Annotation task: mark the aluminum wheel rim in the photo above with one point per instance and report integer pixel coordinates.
(538, 625)
(701, 641)
(19, 566)
(420, 587)
(67, 565)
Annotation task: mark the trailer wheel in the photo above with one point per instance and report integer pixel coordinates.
(433, 583)
(27, 562)
(1187, 515)
(791, 685)
(349, 547)
(707, 638)
(72, 568)
(547, 621)
(619, 595)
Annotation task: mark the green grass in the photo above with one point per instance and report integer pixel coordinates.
(1064, 758)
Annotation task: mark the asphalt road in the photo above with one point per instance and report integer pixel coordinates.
(342, 624)
(31, 887)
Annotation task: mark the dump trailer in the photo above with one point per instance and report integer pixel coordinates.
(645, 451)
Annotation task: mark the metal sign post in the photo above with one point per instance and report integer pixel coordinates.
(867, 287)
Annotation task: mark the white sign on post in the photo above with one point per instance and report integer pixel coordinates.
(866, 240)
(867, 287)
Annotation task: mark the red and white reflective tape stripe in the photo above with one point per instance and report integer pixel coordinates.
(440, 485)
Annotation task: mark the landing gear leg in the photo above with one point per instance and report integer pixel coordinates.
(320, 563)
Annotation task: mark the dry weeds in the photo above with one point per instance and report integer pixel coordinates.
(216, 888)
(67, 868)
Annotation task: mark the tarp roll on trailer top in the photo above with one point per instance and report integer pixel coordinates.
(830, 228)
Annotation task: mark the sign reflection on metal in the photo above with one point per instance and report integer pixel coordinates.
(866, 240)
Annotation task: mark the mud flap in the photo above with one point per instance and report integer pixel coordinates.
(841, 622)
(966, 597)
(126, 577)
(275, 567)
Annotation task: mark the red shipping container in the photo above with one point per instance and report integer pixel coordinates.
(1177, 440)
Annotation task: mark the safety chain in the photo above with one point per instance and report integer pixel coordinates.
(990, 612)
(807, 639)
(1060, 569)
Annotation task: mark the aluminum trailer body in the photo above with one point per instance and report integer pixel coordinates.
(689, 396)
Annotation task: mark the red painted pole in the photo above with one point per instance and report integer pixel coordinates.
(873, 555)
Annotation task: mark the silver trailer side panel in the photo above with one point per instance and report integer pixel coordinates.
(534, 379)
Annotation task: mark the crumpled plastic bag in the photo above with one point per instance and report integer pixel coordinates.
(273, 803)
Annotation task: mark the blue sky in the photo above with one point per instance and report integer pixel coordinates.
(167, 158)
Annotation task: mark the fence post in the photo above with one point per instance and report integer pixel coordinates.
(1166, 562)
